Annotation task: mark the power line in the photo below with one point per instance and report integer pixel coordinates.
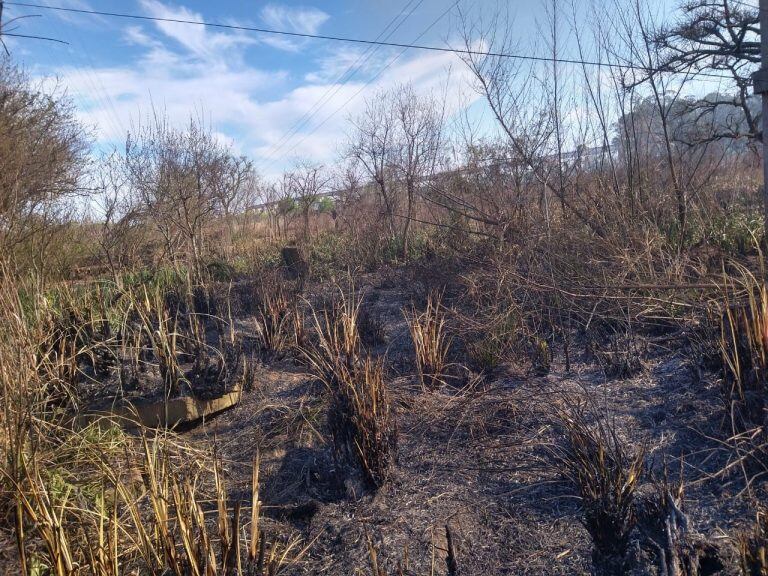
(32, 37)
(373, 79)
(413, 46)
(344, 78)
(89, 87)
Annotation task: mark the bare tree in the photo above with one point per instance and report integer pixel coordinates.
(268, 196)
(372, 145)
(419, 131)
(42, 160)
(285, 202)
(715, 36)
(123, 222)
(398, 142)
(308, 183)
(238, 186)
(350, 192)
(181, 177)
(525, 107)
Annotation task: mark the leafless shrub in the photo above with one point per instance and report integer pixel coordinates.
(183, 179)
(398, 143)
(42, 160)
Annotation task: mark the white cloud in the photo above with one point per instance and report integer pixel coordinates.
(136, 35)
(184, 73)
(198, 40)
(303, 20)
(344, 61)
(326, 130)
(289, 19)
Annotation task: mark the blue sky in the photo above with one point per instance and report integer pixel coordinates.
(252, 89)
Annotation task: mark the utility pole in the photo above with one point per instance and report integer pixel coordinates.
(760, 83)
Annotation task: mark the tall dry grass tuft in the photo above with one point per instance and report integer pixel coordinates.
(162, 331)
(279, 319)
(430, 341)
(155, 526)
(605, 474)
(274, 317)
(744, 344)
(360, 416)
(744, 347)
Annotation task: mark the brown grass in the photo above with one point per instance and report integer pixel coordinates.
(753, 547)
(360, 416)
(744, 347)
(430, 341)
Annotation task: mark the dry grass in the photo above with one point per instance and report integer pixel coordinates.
(276, 316)
(753, 547)
(605, 476)
(157, 526)
(745, 354)
(95, 501)
(430, 341)
(744, 347)
(360, 416)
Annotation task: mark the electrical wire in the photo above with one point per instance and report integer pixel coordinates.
(341, 81)
(412, 46)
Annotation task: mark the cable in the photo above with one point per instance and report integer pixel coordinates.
(33, 37)
(343, 79)
(464, 51)
(89, 79)
(371, 80)
(748, 5)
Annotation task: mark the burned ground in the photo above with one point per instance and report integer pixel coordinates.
(474, 456)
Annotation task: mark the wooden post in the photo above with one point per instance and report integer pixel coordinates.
(760, 82)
